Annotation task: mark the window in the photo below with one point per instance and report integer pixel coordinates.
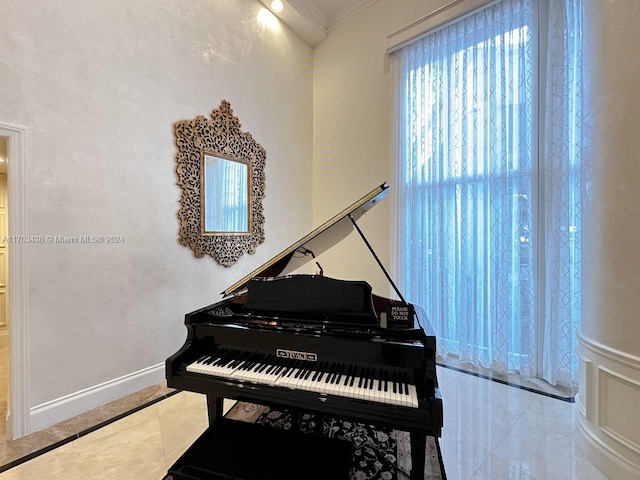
(489, 187)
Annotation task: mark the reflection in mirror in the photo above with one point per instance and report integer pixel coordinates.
(226, 195)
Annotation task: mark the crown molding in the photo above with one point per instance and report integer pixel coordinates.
(348, 11)
(309, 22)
(309, 10)
(304, 22)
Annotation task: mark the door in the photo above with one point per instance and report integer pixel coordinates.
(4, 246)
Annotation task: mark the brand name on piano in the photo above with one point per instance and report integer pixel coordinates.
(306, 356)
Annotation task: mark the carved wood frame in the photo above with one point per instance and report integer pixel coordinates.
(220, 135)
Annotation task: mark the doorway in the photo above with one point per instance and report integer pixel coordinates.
(14, 359)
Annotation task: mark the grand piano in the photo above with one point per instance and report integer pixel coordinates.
(315, 343)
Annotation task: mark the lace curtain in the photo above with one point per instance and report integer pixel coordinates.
(487, 190)
(226, 205)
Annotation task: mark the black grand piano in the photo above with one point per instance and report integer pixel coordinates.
(315, 343)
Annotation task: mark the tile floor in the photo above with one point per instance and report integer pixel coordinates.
(492, 432)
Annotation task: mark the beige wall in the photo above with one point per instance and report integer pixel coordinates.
(352, 152)
(352, 114)
(609, 340)
(97, 87)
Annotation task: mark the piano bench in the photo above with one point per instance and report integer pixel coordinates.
(235, 450)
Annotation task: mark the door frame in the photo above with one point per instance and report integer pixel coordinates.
(18, 419)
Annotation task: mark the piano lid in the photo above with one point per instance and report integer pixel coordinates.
(319, 240)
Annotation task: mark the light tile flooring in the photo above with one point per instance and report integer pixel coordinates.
(492, 432)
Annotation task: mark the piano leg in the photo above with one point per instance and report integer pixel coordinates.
(418, 446)
(214, 407)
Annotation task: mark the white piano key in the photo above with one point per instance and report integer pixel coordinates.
(364, 383)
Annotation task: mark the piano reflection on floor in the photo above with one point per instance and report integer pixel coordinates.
(315, 343)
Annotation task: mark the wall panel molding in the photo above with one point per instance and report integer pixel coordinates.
(618, 396)
(609, 393)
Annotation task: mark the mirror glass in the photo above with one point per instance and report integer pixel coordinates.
(225, 194)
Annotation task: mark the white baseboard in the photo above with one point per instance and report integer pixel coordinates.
(63, 408)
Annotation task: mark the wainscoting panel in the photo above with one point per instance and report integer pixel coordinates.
(608, 401)
(619, 396)
(584, 407)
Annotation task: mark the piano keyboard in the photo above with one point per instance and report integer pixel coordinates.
(382, 385)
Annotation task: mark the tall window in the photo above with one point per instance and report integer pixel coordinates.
(488, 185)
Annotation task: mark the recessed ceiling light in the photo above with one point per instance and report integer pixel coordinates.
(277, 5)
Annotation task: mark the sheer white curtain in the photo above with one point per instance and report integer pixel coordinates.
(226, 199)
(487, 237)
(562, 192)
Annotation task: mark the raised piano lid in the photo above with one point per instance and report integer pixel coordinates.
(319, 240)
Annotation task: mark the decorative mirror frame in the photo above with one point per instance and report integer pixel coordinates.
(219, 136)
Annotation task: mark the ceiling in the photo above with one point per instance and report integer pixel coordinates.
(312, 19)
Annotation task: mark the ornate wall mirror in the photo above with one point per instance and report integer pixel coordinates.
(221, 173)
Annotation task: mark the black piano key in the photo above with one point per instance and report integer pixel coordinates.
(238, 361)
(281, 368)
(347, 376)
(264, 365)
(394, 382)
(210, 360)
(386, 380)
(282, 362)
(331, 371)
(336, 380)
(308, 374)
(219, 359)
(274, 366)
(291, 370)
(270, 367)
(207, 358)
(324, 374)
(204, 358)
(355, 373)
(317, 372)
(254, 362)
